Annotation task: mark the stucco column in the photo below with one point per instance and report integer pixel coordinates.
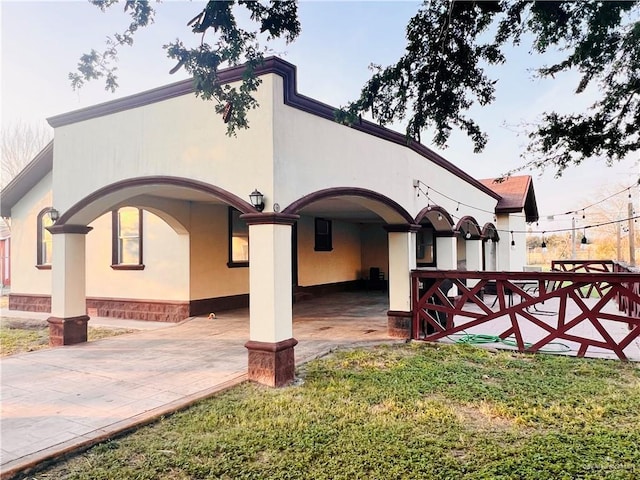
(271, 342)
(402, 259)
(473, 250)
(68, 321)
(446, 251)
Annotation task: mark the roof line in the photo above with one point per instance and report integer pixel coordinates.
(28, 177)
(291, 98)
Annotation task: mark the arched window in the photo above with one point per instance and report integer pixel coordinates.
(126, 239)
(45, 240)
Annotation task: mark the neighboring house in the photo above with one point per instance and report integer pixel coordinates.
(140, 208)
(5, 253)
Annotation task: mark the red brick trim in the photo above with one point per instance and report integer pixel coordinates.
(272, 364)
(399, 324)
(150, 310)
(29, 302)
(67, 331)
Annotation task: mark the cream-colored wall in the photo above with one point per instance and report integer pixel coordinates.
(375, 249)
(209, 254)
(461, 253)
(313, 153)
(339, 265)
(511, 259)
(181, 136)
(25, 277)
(165, 256)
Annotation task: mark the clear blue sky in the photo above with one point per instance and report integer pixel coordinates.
(42, 41)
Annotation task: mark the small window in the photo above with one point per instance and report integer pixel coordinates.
(126, 249)
(238, 240)
(425, 247)
(323, 241)
(45, 240)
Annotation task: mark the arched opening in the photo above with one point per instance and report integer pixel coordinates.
(340, 242)
(173, 261)
(435, 222)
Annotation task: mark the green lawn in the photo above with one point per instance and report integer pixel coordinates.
(407, 411)
(19, 335)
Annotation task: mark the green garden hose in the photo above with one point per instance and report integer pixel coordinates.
(480, 338)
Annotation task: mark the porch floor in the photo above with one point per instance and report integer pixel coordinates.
(58, 400)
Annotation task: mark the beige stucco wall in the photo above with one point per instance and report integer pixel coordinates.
(181, 137)
(313, 153)
(341, 264)
(25, 277)
(209, 253)
(511, 259)
(375, 249)
(165, 256)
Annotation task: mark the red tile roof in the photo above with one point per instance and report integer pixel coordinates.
(517, 195)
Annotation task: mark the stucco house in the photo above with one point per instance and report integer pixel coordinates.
(140, 208)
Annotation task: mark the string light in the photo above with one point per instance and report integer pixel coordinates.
(544, 244)
(558, 230)
(571, 212)
(513, 242)
(583, 242)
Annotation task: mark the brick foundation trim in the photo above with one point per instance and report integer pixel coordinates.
(128, 309)
(67, 331)
(272, 364)
(150, 310)
(399, 324)
(29, 303)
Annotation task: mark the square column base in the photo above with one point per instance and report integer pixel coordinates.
(67, 331)
(399, 324)
(272, 364)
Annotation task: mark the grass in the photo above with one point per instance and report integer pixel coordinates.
(20, 335)
(403, 411)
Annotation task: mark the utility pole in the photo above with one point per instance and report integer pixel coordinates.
(632, 238)
(573, 238)
(619, 249)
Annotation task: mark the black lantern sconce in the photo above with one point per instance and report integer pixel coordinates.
(54, 215)
(257, 200)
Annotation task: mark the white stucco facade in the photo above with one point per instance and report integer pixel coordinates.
(166, 152)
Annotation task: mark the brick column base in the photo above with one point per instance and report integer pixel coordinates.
(272, 364)
(399, 324)
(67, 331)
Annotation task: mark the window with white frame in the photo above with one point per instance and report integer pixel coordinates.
(126, 245)
(45, 239)
(238, 240)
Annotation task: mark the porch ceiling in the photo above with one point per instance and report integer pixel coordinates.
(342, 208)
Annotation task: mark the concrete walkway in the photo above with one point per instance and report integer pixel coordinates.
(58, 400)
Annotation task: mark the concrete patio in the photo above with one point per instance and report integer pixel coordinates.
(58, 400)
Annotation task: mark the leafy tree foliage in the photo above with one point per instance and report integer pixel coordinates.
(20, 142)
(443, 71)
(223, 43)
